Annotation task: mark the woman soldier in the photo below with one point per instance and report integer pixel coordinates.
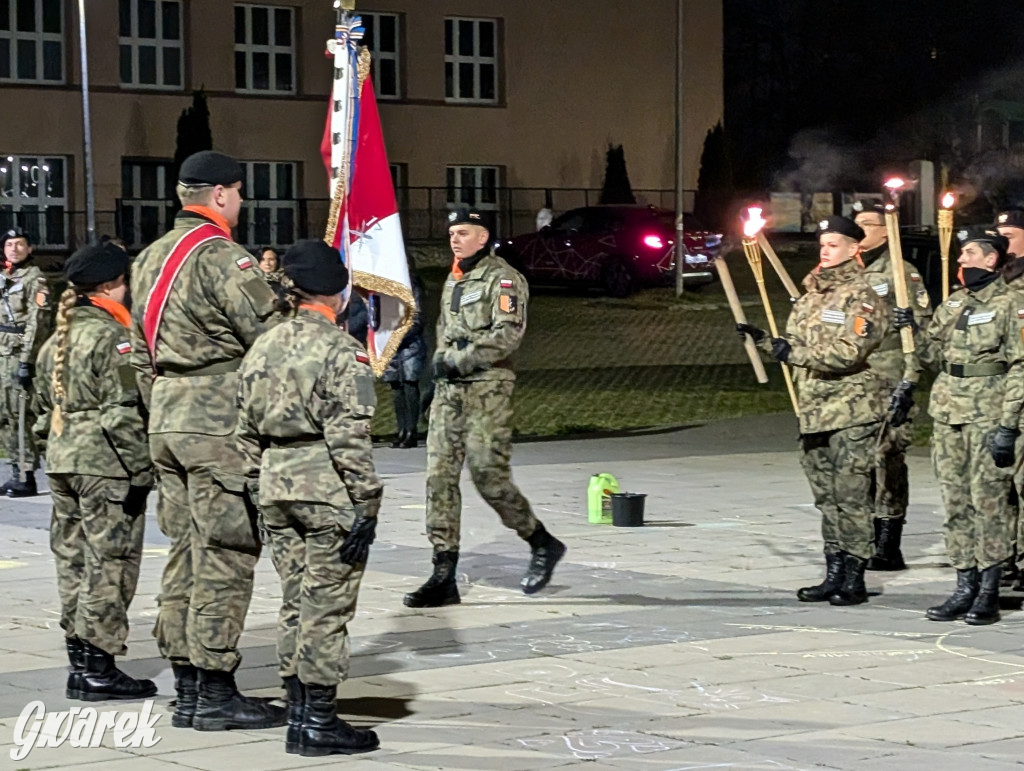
(97, 462)
(306, 398)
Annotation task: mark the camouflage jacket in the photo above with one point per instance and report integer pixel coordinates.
(975, 342)
(306, 399)
(217, 307)
(24, 301)
(889, 360)
(483, 319)
(832, 330)
(103, 432)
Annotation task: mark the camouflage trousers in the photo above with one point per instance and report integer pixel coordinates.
(10, 401)
(838, 466)
(980, 517)
(472, 422)
(889, 479)
(97, 550)
(318, 591)
(215, 545)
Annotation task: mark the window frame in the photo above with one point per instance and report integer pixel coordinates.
(250, 205)
(136, 203)
(12, 203)
(39, 38)
(475, 60)
(159, 43)
(478, 172)
(379, 55)
(273, 50)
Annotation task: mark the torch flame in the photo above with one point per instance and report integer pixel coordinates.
(948, 200)
(755, 222)
(894, 184)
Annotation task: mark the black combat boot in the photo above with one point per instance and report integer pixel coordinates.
(14, 478)
(222, 708)
(547, 551)
(76, 657)
(985, 609)
(887, 547)
(961, 600)
(18, 489)
(296, 692)
(324, 733)
(102, 680)
(833, 580)
(186, 684)
(441, 588)
(852, 591)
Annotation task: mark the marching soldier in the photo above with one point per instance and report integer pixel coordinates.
(24, 298)
(831, 332)
(483, 318)
(975, 342)
(201, 302)
(306, 401)
(97, 463)
(890, 478)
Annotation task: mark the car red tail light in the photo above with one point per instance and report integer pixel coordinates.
(654, 242)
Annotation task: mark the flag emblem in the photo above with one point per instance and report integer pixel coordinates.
(362, 358)
(244, 263)
(123, 348)
(506, 283)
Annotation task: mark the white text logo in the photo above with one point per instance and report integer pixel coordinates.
(82, 727)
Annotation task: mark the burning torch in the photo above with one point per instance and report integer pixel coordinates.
(773, 258)
(899, 276)
(945, 217)
(751, 228)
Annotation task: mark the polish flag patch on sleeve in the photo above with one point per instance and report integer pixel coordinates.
(362, 358)
(243, 263)
(123, 348)
(506, 283)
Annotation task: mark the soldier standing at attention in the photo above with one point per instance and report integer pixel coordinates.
(975, 342)
(200, 304)
(890, 478)
(831, 332)
(97, 462)
(24, 298)
(483, 318)
(306, 401)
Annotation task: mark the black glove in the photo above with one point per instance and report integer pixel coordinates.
(135, 502)
(356, 548)
(25, 374)
(756, 334)
(442, 370)
(781, 349)
(900, 403)
(1001, 446)
(904, 317)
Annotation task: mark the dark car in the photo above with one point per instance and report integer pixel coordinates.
(618, 248)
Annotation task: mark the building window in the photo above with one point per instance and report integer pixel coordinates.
(471, 60)
(270, 211)
(31, 41)
(151, 43)
(264, 49)
(33, 195)
(475, 186)
(382, 35)
(148, 201)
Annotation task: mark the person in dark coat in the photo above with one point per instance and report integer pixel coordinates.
(403, 372)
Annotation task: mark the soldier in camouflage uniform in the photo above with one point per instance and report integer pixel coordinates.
(483, 318)
(890, 478)
(200, 303)
(97, 462)
(306, 400)
(975, 342)
(24, 302)
(831, 332)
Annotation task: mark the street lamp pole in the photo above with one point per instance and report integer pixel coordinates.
(90, 193)
(680, 242)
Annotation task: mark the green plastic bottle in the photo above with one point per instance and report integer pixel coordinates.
(599, 502)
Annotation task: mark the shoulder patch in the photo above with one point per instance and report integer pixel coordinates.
(881, 289)
(867, 307)
(861, 326)
(507, 283)
(123, 348)
(915, 276)
(1020, 313)
(362, 358)
(42, 297)
(954, 303)
(243, 263)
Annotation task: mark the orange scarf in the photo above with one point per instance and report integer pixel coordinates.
(115, 309)
(456, 270)
(322, 309)
(210, 214)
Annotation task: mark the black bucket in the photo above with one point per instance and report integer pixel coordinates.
(628, 509)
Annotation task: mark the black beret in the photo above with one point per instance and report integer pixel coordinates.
(209, 167)
(92, 265)
(468, 216)
(315, 267)
(868, 206)
(14, 232)
(1011, 218)
(842, 226)
(984, 235)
